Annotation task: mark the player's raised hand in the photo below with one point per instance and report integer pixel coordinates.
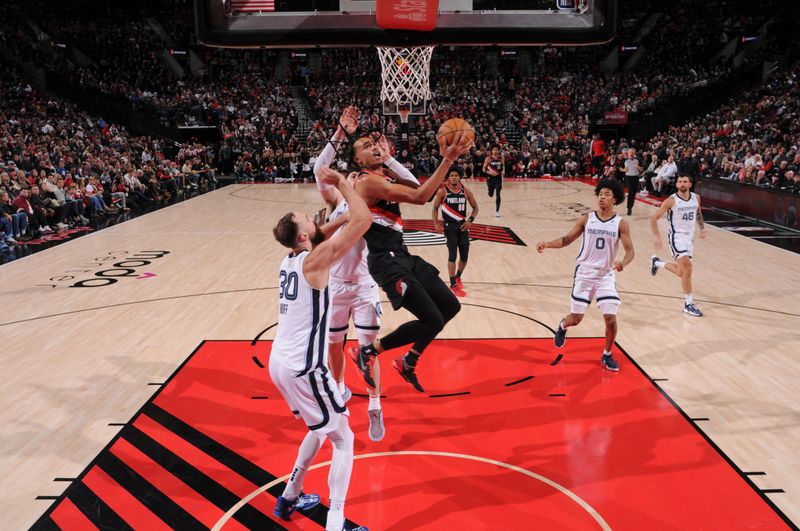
(383, 145)
(541, 246)
(458, 145)
(331, 176)
(349, 119)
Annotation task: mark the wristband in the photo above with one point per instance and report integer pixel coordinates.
(471, 219)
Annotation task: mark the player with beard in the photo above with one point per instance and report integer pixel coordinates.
(298, 363)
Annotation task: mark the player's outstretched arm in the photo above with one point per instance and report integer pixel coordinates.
(627, 244)
(373, 187)
(318, 263)
(666, 205)
(348, 123)
(567, 239)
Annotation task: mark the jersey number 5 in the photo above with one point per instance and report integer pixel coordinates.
(288, 286)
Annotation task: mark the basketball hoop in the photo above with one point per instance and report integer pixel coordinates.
(405, 76)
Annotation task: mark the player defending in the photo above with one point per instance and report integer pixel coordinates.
(452, 198)
(353, 291)
(595, 274)
(298, 364)
(408, 281)
(494, 166)
(683, 212)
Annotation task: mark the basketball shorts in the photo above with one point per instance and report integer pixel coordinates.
(494, 184)
(313, 396)
(395, 270)
(359, 299)
(681, 245)
(457, 242)
(588, 287)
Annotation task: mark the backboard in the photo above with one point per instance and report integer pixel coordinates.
(343, 23)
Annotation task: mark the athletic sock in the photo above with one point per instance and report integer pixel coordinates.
(606, 353)
(335, 520)
(374, 403)
(561, 325)
(411, 359)
(458, 275)
(452, 282)
(660, 263)
(689, 299)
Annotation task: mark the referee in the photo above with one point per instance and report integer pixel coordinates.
(632, 171)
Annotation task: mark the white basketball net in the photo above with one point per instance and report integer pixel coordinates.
(406, 74)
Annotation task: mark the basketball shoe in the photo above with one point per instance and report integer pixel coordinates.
(609, 362)
(364, 358)
(408, 372)
(693, 310)
(305, 502)
(561, 335)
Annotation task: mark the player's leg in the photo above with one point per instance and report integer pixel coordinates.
(490, 184)
(463, 255)
(498, 187)
(689, 306)
(581, 296)
(297, 394)
(608, 302)
(342, 300)
(451, 235)
(339, 475)
(367, 321)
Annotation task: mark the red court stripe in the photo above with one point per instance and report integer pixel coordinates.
(190, 500)
(68, 517)
(204, 462)
(121, 501)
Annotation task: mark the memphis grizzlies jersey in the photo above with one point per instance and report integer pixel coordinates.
(301, 343)
(352, 267)
(599, 246)
(683, 216)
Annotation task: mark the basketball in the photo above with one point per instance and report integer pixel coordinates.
(452, 126)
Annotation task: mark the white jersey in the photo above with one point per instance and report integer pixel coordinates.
(682, 217)
(599, 246)
(352, 267)
(301, 343)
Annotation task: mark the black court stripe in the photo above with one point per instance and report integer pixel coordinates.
(159, 504)
(229, 458)
(95, 509)
(197, 480)
(46, 524)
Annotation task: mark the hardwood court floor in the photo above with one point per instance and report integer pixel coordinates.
(76, 359)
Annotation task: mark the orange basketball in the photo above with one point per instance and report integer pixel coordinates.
(452, 126)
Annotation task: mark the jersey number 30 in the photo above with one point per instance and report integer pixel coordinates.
(288, 286)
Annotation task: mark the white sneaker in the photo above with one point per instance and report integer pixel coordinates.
(62, 226)
(497, 214)
(47, 229)
(376, 428)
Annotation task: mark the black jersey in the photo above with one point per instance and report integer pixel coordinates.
(386, 231)
(454, 205)
(497, 166)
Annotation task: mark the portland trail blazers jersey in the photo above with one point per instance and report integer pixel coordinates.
(454, 206)
(386, 231)
(599, 246)
(353, 265)
(301, 343)
(497, 166)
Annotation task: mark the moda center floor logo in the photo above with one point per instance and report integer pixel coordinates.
(107, 269)
(419, 232)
